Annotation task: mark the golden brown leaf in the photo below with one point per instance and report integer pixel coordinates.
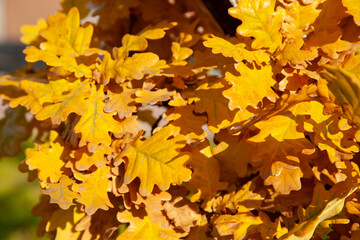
(236, 225)
(93, 190)
(61, 192)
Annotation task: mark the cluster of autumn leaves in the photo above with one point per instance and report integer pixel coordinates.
(281, 100)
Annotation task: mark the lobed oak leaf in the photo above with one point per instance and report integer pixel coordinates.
(293, 54)
(236, 225)
(93, 190)
(61, 192)
(269, 229)
(284, 144)
(154, 205)
(85, 159)
(233, 152)
(139, 42)
(237, 51)
(146, 97)
(156, 164)
(47, 159)
(205, 177)
(37, 94)
(184, 213)
(143, 228)
(250, 87)
(324, 205)
(210, 100)
(95, 125)
(288, 180)
(353, 207)
(180, 54)
(63, 223)
(64, 35)
(65, 102)
(302, 16)
(30, 33)
(33, 54)
(121, 100)
(134, 67)
(259, 20)
(190, 124)
(245, 197)
(353, 8)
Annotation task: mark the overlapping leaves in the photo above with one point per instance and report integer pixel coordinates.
(280, 101)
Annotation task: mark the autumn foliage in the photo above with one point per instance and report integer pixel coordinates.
(259, 138)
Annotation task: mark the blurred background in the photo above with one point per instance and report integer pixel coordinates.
(13, 14)
(17, 195)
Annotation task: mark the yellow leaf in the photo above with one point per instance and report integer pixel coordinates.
(47, 159)
(236, 225)
(139, 42)
(210, 100)
(94, 190)
(353, 8)
(61, 192)
(302, 16)
(143, 228)
(85, 159)
(134, 67)
(121, 100)
(146, 97)
(37, 94)
(245, 197)
(259, 20)
(64, 35)
(157, 164)
(34, 54)
(238, 51)
(95, 125)
(30, 33)
(294, 55)
(180, 54)
(250, 87)
(64, 104)
(324, 205)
